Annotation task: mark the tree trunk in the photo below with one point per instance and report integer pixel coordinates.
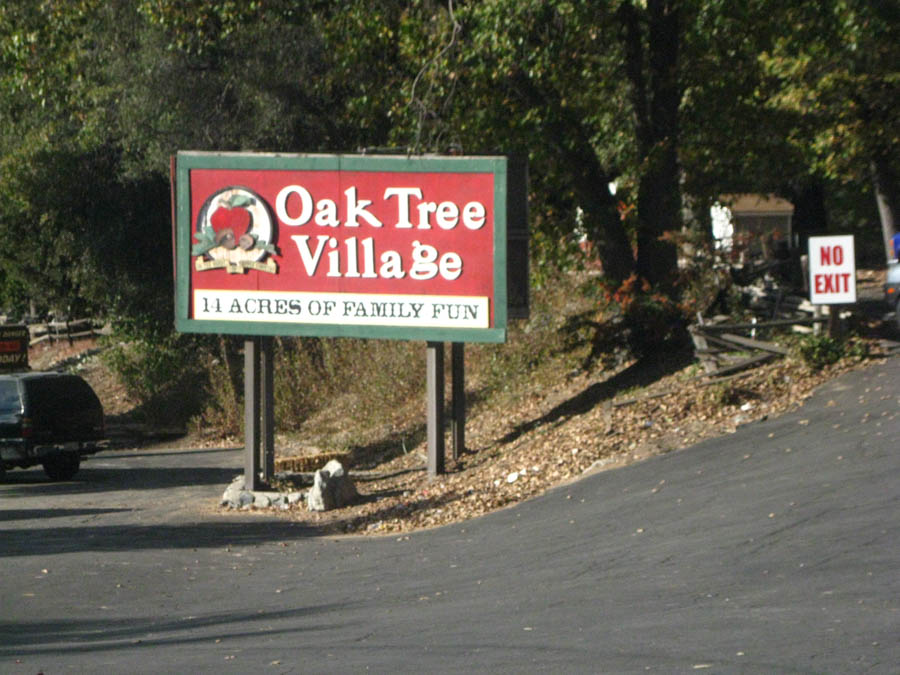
(589, 179)
(656, 96)
(608, 236)
(659, 211)
(885, 183)
(810, 214)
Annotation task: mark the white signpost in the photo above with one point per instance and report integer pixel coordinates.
(832, 270)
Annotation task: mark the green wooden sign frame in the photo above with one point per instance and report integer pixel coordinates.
(509, 194)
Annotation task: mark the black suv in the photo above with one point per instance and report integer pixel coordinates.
(53, 419)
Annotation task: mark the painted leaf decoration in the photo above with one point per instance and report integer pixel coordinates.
(202, 247)
(239, 200)
(207, 233)
(206, 240)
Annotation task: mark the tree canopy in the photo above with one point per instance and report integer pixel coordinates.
(675, 101)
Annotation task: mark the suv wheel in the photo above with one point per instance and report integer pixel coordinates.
(62, 466)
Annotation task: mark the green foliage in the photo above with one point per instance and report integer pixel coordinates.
(165, 375)
(663, 95)
(551, 255)
(818, 351)
(496, 85)
(858, 349)
(722, 394)
(219, 414)
(368, 381)
(199, 26)
(365, 375)
(836, 66)
(100, 251)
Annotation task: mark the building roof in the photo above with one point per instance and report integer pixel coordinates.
(757, 205)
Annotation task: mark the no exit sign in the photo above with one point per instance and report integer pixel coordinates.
(832, 270)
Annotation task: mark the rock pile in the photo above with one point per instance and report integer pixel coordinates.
(237, 496)
(331, 488)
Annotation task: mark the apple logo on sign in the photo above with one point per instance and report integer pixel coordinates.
(234, 229)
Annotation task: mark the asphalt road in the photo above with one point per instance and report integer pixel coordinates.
(773, 550)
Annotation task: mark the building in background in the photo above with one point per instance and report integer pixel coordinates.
(749, 225)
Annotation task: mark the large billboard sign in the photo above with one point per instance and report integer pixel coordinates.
(344, 245)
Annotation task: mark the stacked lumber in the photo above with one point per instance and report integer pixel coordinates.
(723, 350)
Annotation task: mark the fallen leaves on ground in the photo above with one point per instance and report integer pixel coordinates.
(517, 455)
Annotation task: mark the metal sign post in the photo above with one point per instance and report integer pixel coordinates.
(434, 362)
(435, 404)
(458, 398)
(259, 413)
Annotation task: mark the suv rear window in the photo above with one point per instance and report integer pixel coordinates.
(9, 397)
(55, 399)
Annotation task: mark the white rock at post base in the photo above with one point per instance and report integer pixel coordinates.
(332, 488)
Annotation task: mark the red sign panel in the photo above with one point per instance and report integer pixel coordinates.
(10, 346)
(302, 248)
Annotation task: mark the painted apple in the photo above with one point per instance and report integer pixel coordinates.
(234, 218)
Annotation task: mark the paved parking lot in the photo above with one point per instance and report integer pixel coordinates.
(145, 485)
(774, 549)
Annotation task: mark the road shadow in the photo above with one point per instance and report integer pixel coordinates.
(92, 635)
(103, 473)
(122, 538)
(383, 450)
(95, 480)
(171, 452)
(43, 514)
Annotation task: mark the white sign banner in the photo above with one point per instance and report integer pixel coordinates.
(832, 270)
(364, 309)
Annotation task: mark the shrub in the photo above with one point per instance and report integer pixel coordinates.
(163, 375)
(818, 351)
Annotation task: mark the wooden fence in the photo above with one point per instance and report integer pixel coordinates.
(58, 331)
